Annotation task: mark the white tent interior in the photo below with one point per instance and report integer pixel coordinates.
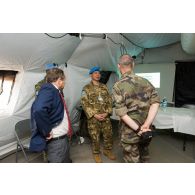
(27, 54)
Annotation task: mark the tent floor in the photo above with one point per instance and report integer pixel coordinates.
(164, 148)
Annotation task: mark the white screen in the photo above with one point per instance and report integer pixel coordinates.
(154, 78)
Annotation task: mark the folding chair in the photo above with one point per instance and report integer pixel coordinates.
(23, 134)
(76, 122)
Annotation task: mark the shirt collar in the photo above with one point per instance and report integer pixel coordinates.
(95, 85)
(55, 86)
(128, 73)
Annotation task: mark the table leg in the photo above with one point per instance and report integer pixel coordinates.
(184, 142)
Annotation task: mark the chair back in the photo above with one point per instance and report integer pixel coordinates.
(22, 129)
(75, 118)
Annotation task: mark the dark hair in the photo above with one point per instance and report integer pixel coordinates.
(54, 74)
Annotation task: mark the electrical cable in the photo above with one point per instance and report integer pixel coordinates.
(122, 47)
(104, 36)
(56, 37)
(131, 41)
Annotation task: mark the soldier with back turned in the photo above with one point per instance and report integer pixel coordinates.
(136, 102)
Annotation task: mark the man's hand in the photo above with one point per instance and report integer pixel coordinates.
(104, 115)
(101, 117)
(143, 129)
(145, 126)
(49, 137)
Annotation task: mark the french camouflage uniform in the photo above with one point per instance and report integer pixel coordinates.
(96, 100)
(133, 95)
(38, 86)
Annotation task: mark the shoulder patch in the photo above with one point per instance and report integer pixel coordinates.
(83, 94)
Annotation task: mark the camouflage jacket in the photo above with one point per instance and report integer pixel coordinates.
(38, 85)
(96, 100)
(133, 95)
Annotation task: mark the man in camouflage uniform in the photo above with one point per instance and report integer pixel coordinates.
(97, 104)
(38, 85)
(136, 102)
(48, 67)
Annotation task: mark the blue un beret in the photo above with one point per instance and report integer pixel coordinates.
(50, 66)
(94, 69)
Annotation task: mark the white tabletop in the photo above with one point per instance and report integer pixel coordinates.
(180, 119)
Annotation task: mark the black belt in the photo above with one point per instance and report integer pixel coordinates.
(60, 137)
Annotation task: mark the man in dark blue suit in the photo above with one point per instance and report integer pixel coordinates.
(49, 119)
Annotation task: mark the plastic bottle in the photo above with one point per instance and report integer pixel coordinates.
(164, 102)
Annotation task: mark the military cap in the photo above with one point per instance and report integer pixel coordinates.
(94, 69)
(50, 66)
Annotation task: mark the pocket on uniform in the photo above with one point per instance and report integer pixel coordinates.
(92, 99)
(130, 137)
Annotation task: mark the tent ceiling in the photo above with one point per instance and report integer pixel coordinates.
(152, 40)
(32, 50)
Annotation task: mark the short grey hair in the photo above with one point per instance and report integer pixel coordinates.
(126, 60)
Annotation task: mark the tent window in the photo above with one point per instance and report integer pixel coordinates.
(7, 79)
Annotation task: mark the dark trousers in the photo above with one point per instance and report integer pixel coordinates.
(58, 151)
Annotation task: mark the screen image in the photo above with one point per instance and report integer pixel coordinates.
(154, 78)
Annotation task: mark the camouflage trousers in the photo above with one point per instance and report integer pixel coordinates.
(95, 128)
(134, 151)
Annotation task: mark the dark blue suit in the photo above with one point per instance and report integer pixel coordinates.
(47, 112)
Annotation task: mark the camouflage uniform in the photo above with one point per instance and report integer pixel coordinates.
(133, 95)
(38, 86)
(96, 100)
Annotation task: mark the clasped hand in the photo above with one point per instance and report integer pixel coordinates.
(101, 117)
(144, 128)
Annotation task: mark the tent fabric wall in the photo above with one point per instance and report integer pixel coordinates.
(153, 40)
(32, 51)
(84, 55)
(22, 97)
(76, 78)
(188, 43)
(166, 54)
